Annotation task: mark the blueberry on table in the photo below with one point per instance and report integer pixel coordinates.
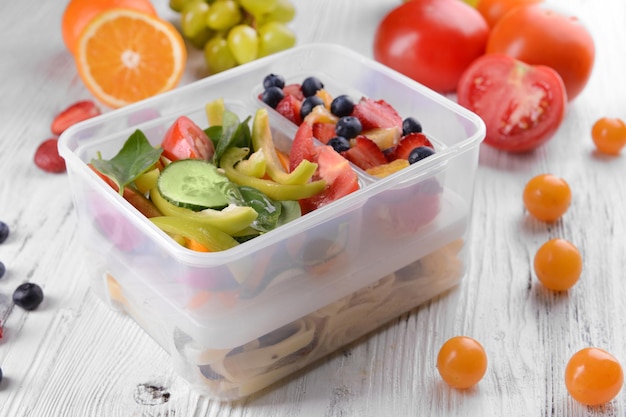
(309, 104)
(348, 127)
(273, 80)
(342, 106)
(272, 96)
(310, 86)
(28, 296)
(420, 153)
(411, 125)
(3, 269)
(4, 231)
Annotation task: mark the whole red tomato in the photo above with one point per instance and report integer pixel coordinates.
(522, 105)
(540, 36)
(431, 41)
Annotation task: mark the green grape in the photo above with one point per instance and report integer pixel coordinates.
(284, 12)
(178, 5)
(223, 15)
(193, 22)
(274, 37)
(258, 8)
(218, 56)
(243, 42)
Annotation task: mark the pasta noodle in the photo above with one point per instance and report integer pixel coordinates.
(238, 372)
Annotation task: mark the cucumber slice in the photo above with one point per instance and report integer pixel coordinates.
(195, 184)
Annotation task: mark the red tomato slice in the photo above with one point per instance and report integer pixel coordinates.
(341, 179)
(186, 140)
(302, 146)
(522, 105)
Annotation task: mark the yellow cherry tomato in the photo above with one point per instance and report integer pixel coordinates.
(609, 135)
(558, 264)
(593, 376)
(547, 197)
(462, 362)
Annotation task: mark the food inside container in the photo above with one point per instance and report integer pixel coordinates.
(249, 302)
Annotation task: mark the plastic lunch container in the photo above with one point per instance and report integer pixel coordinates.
(236, 321)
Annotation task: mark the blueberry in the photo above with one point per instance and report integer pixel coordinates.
(310, 86)
(273, 80)
(272, 96)
(0, 374)
(420, 153)
(342, 106)
(411, 125)
(348, 127)
(309, 104)
(339, 143)
(3, 269)
(4, 231)
(28, 296)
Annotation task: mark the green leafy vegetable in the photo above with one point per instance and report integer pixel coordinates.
(232, 133)
(135, 158)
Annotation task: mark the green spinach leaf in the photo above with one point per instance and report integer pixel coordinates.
(135, 158)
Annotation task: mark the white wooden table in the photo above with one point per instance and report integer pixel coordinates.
(73, 356)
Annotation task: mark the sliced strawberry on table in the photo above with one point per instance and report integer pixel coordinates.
(75, 113)
(340, 178)
(376, 114)
(294, 90)
(364, 153)
(407, 144)
(289, 107)
(47, 156)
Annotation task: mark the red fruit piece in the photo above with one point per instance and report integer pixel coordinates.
(185, 139)
(407, 144)
(340, 178)
(324, 131)
(47, 157)
(376, 114)
(364, 153)
(289, 107)
(75, 113)
(294, 90)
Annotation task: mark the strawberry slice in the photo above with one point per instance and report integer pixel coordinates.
(289, 107)
(47, 157)
(364, 153)
(75, 113)
(324, 131)
(407, 144)
(376, 114)
(294, 90)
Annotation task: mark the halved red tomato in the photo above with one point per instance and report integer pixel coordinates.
(522, 105)
(341, 179)
(186, 140)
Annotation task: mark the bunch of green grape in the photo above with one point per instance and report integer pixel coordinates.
(234, 32)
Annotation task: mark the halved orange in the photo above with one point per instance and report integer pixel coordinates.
(79, 12)
(124, 56)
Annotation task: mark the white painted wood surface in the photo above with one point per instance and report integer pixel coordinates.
(75, 357)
